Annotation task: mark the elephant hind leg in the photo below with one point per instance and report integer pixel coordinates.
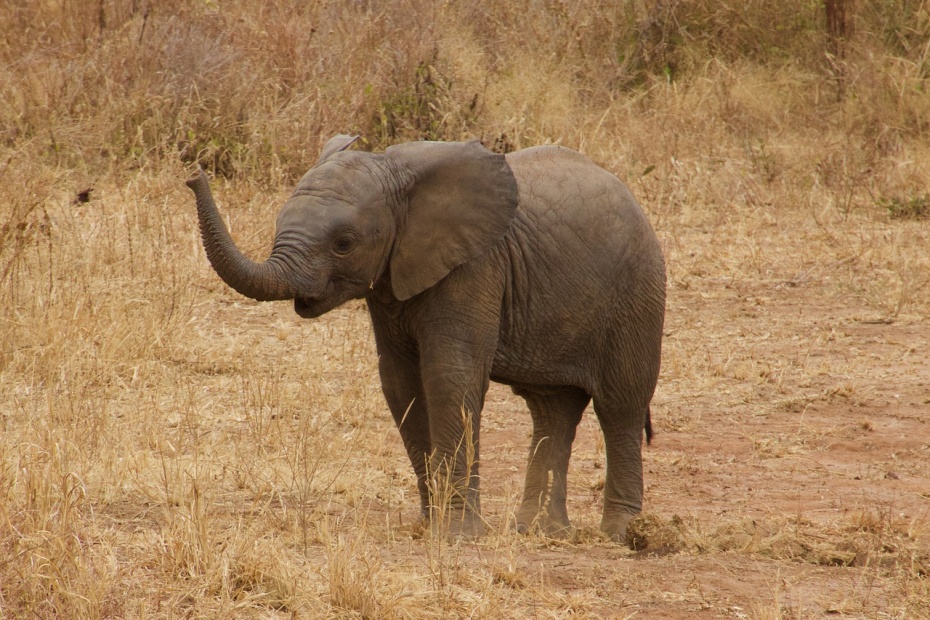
(556, 413)
(622, 424)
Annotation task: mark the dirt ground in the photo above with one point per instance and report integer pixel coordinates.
(767, 480)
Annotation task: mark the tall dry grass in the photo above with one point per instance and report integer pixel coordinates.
(254, 89)
(167, 448)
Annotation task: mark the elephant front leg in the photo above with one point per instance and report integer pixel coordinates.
(400, 382)
(455, 498)
(455, 382)
(556, 415)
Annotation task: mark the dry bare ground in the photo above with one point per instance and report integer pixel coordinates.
(169, 449)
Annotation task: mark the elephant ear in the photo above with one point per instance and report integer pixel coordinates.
(339, 142)
(461, 199)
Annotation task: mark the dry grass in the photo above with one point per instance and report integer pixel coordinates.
(169, 449)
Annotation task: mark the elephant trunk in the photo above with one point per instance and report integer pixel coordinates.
(260, 281)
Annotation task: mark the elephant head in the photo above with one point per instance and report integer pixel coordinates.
(414, 213)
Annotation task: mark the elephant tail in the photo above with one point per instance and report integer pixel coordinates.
(648, 426)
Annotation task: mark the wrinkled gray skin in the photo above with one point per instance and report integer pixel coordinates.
(537, 270)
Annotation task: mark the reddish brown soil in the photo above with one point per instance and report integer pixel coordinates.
(796, 481)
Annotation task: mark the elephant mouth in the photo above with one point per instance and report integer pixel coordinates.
(312, 307)
(307, 308)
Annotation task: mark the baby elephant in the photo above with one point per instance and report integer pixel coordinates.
(537, 269)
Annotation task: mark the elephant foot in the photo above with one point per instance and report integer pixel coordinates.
(416, 528)
(458, 525)
(616, 526)
(527, 522)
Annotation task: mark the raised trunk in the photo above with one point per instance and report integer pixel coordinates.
(260, 281)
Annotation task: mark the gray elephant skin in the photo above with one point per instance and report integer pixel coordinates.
(537, 270)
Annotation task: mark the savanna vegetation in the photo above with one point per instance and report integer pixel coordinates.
(170, 449)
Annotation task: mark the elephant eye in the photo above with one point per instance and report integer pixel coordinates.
(344, 244)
